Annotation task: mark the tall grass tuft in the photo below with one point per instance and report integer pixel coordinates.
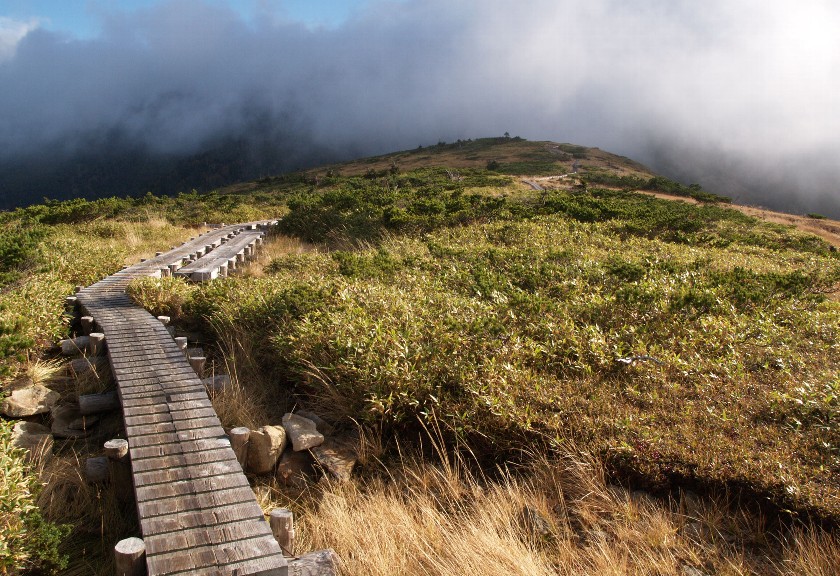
(556, 516)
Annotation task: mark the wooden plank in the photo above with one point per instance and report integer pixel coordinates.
(171, 416)
(181, 460)
(179, 447)
(139, 410)
(179, 474)
(194, 485)
(220, 555)
(165, 437)
(167, 506)
(220, 515)
(195, 537)
(168, 397)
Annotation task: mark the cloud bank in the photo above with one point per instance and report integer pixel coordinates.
(737, 95)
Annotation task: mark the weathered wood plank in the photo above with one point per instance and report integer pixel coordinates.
(196, 508)
(163, 506)
(195, 485)
(209, 470)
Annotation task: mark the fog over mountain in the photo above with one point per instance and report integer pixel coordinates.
(740, 96)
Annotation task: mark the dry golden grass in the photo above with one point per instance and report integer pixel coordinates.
(275, 246)
(43, 372)
(253, 398)
(556, 517)
(98, 518)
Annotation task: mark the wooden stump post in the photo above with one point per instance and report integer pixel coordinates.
(97, 343)
(96, 470)
(96, 403)
(87, 324)
(197, 363)
(120, 470)
(181, 341)
(282, 523)
(130, 557)
(239, 442)
(70, 304)
(173, 268)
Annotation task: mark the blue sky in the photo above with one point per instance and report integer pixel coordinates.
(79, 18)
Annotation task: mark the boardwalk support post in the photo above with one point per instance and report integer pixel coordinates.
(130, 557)
(119, 468)
(282, 523)
(96, 403)
(197, 363)
(87, 324)
(97, 343)
(96, 470)
(70, 304)
(239, 442)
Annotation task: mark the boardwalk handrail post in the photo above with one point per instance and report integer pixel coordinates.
(130, 557)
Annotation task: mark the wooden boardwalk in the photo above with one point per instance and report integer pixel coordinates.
(197, 512)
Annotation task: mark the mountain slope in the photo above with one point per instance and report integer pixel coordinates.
(521, 298)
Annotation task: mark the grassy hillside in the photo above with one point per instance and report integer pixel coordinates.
(519, 297)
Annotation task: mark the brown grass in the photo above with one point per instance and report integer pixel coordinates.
(275, 246)
(559, 517)
(98, 518)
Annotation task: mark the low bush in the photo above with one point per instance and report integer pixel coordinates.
(657, 354)
(28, 543)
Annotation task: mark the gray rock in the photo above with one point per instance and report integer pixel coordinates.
(28, 400)
(83, 422)
(34, 438)
(320, 424)
(295, 468)
(75, 346)
(321, 563)
(63, 416)
(302, 432)
(264, 448)
(81, 366)
(216, 384)
(336, 457)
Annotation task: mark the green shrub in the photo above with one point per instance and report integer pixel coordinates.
(28, 543)
(19, 240)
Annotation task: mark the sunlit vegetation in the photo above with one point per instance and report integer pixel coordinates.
(666, 344)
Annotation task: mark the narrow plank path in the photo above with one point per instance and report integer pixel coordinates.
(197, 512)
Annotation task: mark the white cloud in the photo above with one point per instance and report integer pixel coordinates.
(755, 81)
(12, 32)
